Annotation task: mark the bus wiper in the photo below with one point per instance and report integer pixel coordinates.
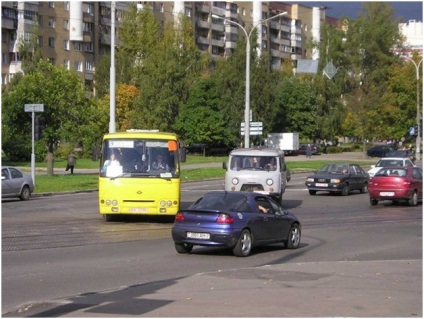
(122, 175)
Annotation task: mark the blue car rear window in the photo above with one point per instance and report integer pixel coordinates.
(227, 201)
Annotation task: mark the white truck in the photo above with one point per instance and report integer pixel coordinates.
(287, 142)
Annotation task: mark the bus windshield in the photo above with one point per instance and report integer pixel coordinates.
(131, 158)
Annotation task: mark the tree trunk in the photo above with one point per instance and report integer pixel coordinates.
(50, 159)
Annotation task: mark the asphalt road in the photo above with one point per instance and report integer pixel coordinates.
(60, 259)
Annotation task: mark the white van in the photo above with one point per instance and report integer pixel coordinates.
(261, 170)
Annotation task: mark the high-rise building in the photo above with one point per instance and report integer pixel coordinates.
(77, 34)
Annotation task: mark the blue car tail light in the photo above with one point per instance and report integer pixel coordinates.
(224, 219)
(179, 217)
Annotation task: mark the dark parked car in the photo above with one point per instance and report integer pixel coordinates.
(236, 220)
(338, 178)
(14, 183)
(397, 184)
(402, 153)
(380, 150)
(302, 149)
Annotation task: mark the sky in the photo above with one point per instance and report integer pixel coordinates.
(408, 10)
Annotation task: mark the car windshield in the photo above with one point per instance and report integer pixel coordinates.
(334, 169)
(388, 162)
(392, 172)
(253, 162)
(227, 201)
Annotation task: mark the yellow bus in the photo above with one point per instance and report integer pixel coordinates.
(140, 173)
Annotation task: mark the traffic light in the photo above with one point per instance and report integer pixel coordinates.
(38, 128)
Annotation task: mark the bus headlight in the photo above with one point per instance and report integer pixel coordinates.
(114, 202)
(235, 181)
(169, 203)
(269, 182)
(108, 202)
(162, 203)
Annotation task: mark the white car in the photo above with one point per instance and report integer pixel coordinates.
(389, 161)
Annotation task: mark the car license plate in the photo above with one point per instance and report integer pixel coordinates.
(198, 235)
(138, 210)
(321, 184)
(387, 193)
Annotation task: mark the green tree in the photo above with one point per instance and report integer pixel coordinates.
(167, 76)
(200, 119)
(368, 45)
(65, 105)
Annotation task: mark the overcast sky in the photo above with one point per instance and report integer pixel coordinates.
(408, 10)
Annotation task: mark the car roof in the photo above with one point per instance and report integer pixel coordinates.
(257, 152)
(394, 158)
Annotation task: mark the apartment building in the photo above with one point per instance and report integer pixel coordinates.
(77, 34)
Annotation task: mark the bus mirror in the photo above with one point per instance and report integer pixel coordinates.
(172, 146)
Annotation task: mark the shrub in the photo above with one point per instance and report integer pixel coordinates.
(334, 150)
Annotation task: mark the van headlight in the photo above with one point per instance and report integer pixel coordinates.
(235, 181)
(269, 182)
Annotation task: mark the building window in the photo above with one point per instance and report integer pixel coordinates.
(51, 22)
(3, 37)
(88, 8)
(78, 66)
(51, 42)
(4, 58)
(51, 4)
(89, 47)
(66, 5)
(67, 64)
(162, 9)
(188, 12)
(66, 45)
(87, 27)
(30, 15)
(52, 61)
(3, 78)
(40, 41)
(66, 24)
(40, 21)
(78, 46)
(89, 65)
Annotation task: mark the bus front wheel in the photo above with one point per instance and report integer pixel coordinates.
(109, 217)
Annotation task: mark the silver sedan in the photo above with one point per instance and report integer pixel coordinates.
(15, 183)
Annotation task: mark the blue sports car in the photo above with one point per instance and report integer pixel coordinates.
(237, 220)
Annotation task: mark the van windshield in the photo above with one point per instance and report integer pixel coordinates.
(268, 163)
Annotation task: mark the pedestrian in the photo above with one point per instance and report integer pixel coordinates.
(308, 151)
(72, 160)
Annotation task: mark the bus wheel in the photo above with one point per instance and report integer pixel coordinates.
(183, 248)
(109, 217)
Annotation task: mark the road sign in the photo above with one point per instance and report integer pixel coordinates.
(34, 107)
(255, 128)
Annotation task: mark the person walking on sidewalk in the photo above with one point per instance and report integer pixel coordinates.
(72, 160)
(308, 151)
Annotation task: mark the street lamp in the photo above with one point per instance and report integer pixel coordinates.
(418, 141)
(247, 107)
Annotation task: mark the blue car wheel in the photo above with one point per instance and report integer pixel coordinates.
(244, 244)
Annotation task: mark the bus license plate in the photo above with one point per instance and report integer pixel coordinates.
(138, 210)
(198, 235)
(387, 193)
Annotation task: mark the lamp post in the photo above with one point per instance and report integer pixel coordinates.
(247, 95)
(418, 140)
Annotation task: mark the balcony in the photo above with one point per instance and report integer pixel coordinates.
(218, 43)
(230, 45)
(218, 11)
(217, 27)
(296, 44)
(202, 24)
(10, 24)
(203, 8)
(105, 38)
(202, 40)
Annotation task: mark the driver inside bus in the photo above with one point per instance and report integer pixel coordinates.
(160, 164)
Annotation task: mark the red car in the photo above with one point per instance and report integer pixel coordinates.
(397, 184)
